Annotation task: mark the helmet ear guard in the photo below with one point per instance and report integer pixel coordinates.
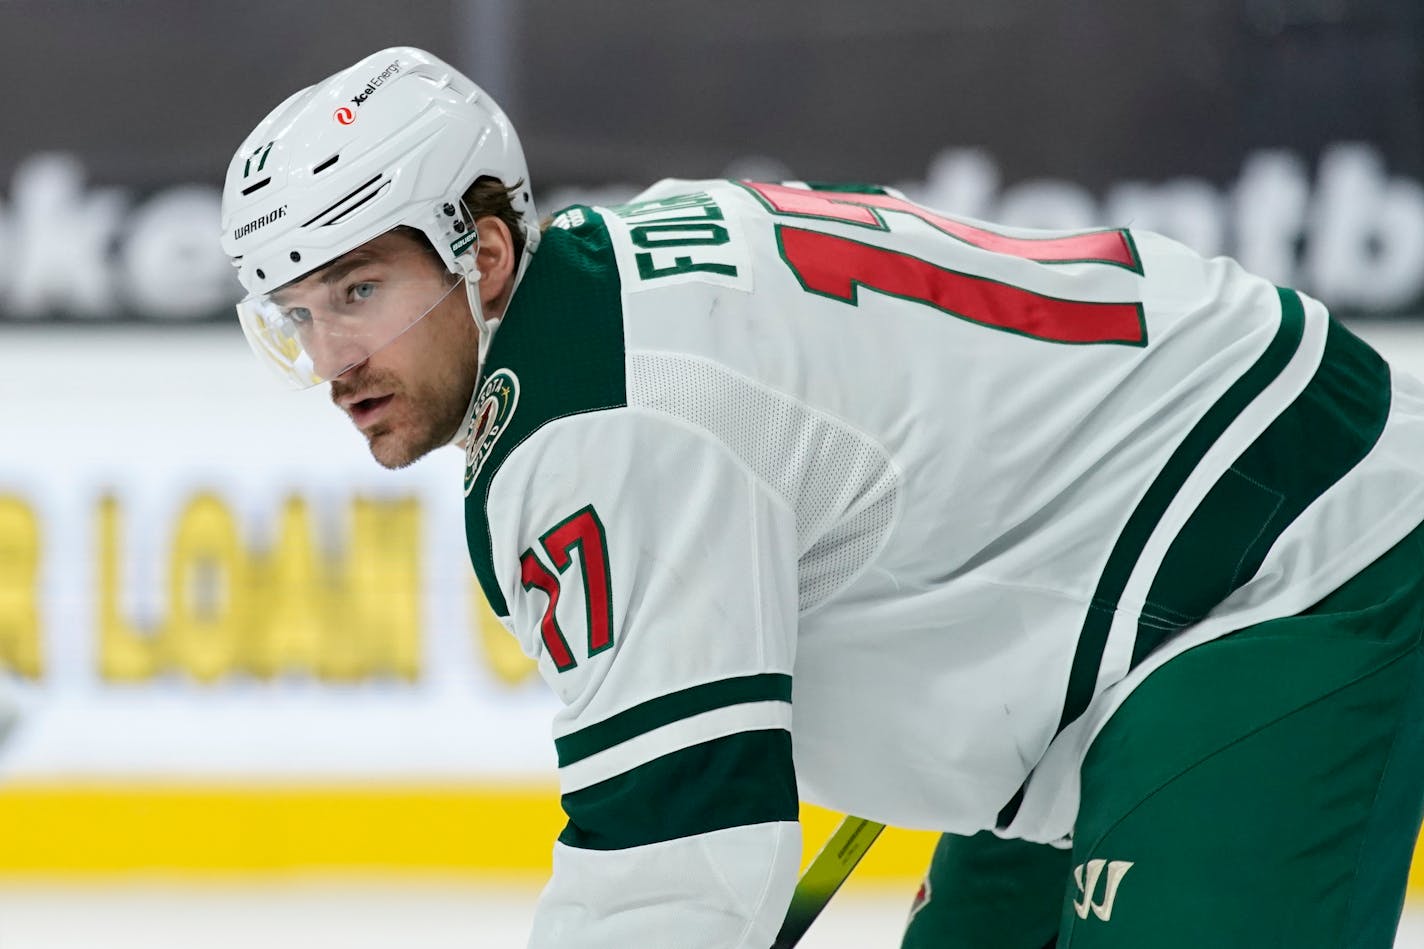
(464, 263)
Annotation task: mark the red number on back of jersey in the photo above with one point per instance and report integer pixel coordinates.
(835, 266)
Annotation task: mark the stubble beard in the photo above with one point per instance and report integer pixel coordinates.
(422, 419)
(425, 420)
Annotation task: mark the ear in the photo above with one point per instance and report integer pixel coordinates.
(495, 262)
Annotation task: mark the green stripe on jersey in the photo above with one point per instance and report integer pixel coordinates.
(846, 187)
(1092, 639)
(669, 708)
(1329, 428)
(734, 781)
(562, 337)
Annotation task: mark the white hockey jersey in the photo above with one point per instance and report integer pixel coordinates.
(818, 492)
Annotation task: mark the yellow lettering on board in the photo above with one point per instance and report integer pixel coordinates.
(293, 597)
(19, 588)
(209, 592)
(378, 631)
(127, 653)
(501, 650)
(296, 610)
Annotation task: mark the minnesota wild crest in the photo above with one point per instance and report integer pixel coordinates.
(494, 406)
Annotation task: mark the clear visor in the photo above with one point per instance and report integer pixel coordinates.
(314, 329)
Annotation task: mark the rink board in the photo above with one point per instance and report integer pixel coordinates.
(248, 650)
(504, 833)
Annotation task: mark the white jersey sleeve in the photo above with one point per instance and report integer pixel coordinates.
(653, 576)
(691, 678)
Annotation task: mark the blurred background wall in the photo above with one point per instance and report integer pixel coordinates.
(1287, 132)
(237, 644)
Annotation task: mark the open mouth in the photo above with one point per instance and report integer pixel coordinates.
(366, 411)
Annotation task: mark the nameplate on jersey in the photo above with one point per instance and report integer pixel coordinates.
(683, 238)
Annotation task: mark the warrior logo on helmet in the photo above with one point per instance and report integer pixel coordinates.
(259, 222)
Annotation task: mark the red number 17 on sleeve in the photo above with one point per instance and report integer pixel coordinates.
(581, 531)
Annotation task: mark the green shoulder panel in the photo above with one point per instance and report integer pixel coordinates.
(847, 187)
(558, 352)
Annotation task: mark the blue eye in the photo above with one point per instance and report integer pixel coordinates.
(362, 291)
(297, 314)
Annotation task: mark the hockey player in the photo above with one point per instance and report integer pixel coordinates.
(1095, 555)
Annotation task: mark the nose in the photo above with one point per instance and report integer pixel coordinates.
(332, 351)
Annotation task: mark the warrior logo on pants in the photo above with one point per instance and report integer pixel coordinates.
(1088, 885)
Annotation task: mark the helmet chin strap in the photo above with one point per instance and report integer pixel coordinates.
(487, 326)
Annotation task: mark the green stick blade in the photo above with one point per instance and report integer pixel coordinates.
(827, 871)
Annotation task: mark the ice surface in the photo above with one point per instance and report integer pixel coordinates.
(301, 914)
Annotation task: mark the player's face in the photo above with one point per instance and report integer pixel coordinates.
(409, 396)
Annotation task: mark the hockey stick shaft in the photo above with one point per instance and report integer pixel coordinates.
(827, 871)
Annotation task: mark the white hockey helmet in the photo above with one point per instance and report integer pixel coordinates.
(394, 140)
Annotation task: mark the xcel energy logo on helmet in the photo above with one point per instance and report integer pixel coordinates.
(494, 407)
(375, 83)
(346, 115)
